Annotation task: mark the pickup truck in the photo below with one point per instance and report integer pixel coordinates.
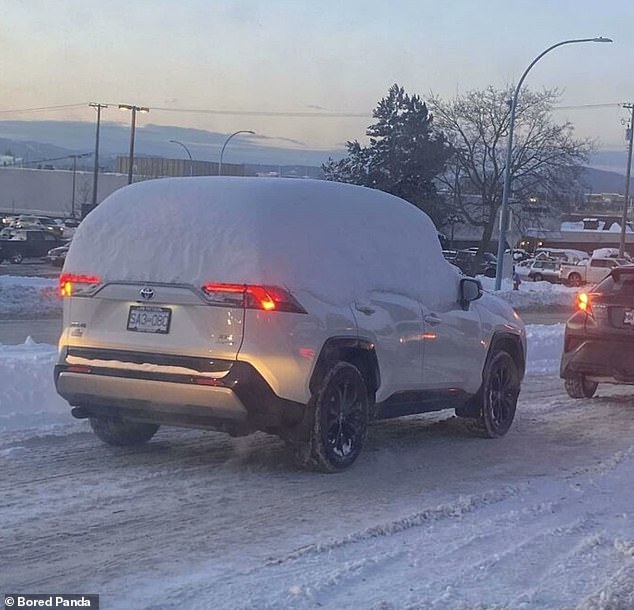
(27, 243)
(589, 270)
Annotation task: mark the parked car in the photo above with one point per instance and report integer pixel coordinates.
(599, 336)
(244, 329)
(544, 269)
(589, 271)
(43, 223)
(27, 243)
(470, 264)
(450, 255)
(57, 256)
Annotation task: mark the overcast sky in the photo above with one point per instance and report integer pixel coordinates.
(296, 56)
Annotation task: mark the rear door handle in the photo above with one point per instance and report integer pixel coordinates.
(432, 319)
(366, 309)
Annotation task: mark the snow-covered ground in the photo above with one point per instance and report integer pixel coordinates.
(430, 517)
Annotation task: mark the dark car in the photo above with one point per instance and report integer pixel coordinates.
(57, 256)
(599, 336)
(470, 264)
(27, 243)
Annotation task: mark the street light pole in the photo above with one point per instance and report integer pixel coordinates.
(95, 177)
(628, 173)
(134, 110)
(191, 163)
(504, 209)
(222, 152)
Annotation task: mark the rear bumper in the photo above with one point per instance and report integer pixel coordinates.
(601, 361)
(238, 401)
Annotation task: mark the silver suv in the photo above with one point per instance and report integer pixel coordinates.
(305, 309)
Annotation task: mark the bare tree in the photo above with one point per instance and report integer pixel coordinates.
(547, 159)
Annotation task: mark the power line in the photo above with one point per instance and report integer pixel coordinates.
(268, 113)
(609, 105)
(43, 108)
(265, 113)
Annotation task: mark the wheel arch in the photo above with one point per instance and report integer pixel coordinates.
(358, 352)
(510, 343)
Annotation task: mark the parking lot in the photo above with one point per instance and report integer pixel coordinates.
(31, 267)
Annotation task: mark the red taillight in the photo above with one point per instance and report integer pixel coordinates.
(71, 283)
(250, 296)
(583, 302)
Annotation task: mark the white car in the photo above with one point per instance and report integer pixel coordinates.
(301, 308)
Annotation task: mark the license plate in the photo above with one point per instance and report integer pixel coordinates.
(145, 319)
(628, 317)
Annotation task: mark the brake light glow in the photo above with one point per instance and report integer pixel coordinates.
(70, 284)
(250, 296)
(583, 302)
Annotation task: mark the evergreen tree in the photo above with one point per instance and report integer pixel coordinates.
(403, 157)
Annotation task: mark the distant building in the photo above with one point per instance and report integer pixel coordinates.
(602, 203)
(50, 192)
(158, 167)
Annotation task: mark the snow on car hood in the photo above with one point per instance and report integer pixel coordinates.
(337, 241)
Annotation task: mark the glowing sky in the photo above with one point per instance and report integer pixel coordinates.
(296, 56)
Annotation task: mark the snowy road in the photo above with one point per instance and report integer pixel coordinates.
(429, 517)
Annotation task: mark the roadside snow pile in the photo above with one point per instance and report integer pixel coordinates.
(29, 297)
(544, 346)
(27, 393)
(533, 295)
(28, 398)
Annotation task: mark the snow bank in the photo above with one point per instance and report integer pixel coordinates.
(544, 346)
(533, 295)
(333, 240)
(29, 297)
(27, 393)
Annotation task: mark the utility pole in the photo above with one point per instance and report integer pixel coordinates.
(134, 109)
(98, 107)
(629, 135)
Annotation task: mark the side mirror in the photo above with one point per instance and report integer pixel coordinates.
(470, 290)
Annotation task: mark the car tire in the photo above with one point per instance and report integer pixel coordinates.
(574, 279)
(537, 277)
(120, 432)
(498, 395)
(341, 414)
(580, 387)
(17, 258)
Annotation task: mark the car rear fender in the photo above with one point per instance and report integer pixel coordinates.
(356, 351)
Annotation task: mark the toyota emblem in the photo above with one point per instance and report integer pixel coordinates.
(146, 293)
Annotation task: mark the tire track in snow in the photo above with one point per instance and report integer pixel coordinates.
(454, 510)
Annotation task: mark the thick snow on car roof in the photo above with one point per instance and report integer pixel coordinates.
(335, 240)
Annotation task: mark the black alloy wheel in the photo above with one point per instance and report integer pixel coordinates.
(341, 418)
(500, 391)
